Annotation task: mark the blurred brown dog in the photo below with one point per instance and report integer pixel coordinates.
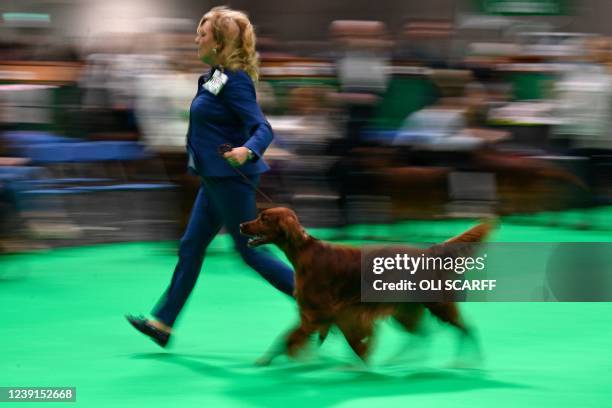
(328, 285)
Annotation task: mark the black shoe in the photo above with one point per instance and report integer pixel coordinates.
(142, 325)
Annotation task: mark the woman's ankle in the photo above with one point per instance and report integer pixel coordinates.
(160, 326)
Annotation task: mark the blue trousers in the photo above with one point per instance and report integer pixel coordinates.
(221, 201)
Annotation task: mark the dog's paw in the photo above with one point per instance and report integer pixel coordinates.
(413, 350)
(467, 363)
(468, 358)
(263, 361)
(353, 367)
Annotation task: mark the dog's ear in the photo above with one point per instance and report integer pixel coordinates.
(292, 230)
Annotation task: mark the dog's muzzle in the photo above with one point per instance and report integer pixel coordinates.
(254, 239)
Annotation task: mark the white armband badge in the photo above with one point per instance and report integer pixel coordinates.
(215, 83)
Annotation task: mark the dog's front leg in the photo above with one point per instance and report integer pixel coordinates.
(358, 331)
(289, 344)
(277, 349)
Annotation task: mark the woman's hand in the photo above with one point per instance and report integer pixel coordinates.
(237, 156)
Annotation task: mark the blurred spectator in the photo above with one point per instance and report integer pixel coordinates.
(302, 139)
(311, 127)
(584, 96)
(362, 67)
(584, 93)
(109, 84)
(163, 95)
(426, 42)
(443, 126)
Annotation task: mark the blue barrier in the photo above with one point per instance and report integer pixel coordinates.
(20, 138)
(83, 152)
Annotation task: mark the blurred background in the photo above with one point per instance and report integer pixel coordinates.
(403, 111)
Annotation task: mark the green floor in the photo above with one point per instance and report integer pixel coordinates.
(63, 325)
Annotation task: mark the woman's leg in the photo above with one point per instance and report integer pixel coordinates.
(235, 200)
(204, 224)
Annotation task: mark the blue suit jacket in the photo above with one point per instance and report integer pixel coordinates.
(232, 116)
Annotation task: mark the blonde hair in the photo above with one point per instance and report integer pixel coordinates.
(235, 35)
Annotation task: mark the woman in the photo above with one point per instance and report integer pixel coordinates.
(224, 111)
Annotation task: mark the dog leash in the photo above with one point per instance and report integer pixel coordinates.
(226, 147)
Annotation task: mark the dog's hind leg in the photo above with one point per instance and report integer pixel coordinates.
(468, 352)
(323, 332)
(448, 313)
(414, 348)
(409, 316)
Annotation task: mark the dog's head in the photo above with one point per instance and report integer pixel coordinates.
(277, 225)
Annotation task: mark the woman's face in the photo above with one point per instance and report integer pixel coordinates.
(206, 43)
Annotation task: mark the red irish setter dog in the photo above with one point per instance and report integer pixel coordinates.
(328, 285)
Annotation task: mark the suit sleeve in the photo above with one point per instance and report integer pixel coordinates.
(239, 96)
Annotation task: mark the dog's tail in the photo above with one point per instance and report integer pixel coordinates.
(477, 233)
(466, 243)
